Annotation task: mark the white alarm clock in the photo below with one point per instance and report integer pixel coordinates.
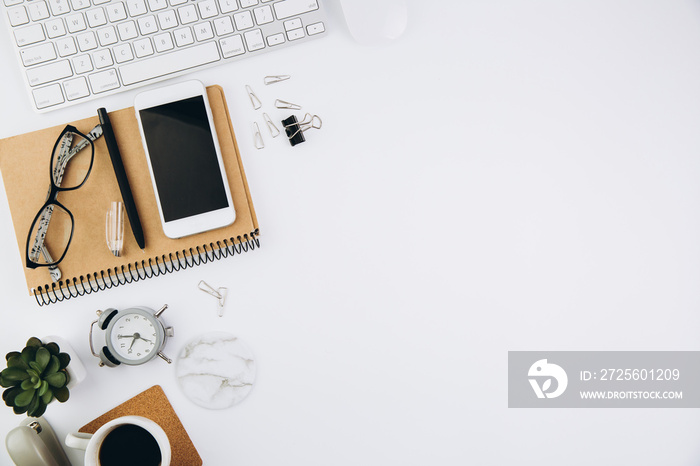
(133, 336)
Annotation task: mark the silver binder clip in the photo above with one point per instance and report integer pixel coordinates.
(219, 293)
(253, 98)
(275, 79)
(287, 105)
(257, 136)
(274, 132)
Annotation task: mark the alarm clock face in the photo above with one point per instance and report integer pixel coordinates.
(135, 336)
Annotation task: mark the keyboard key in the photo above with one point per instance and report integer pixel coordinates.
(248, 3)
(46, 73)
(143, 48)
(107, 36)
(263, 15)
(223, 26)
(86, 41)
(48, 96)
(59, 7)
(167, 19)
(147, 25)
(96, 17)
(55, 28)
(254, 40)
(136, 7)
(66, 47)
(12, 2)
(163, 65)
(203, 31)
(275, 39)
(127, 30)
(187, 14)
(123, 53)
(163, 42)
(316, 28)
(116, 12)
(80, 4)
(102, 59)
(76, 88)
(227, 6)
(76, 22)
(177, 2)
(183, 37)
(37, 54)
(290, 8)
(292, 24)
(104, 81)
(38, 10)
(232, 46)
(295, 34)
(29, 35)
(156, 5)
(207, 9)
(17, 15)
(243, 20)
(82, 64)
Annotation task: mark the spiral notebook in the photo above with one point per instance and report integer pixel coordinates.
(89, 266)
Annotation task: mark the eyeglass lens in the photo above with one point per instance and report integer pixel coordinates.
(54, 234)
(69, 164)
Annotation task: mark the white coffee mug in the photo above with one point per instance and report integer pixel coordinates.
(91, 443)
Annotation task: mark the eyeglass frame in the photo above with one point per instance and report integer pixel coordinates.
(51, 198)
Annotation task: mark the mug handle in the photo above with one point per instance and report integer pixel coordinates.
(78, 440)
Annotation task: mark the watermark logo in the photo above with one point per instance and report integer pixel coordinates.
(603, 379)
(546, 373)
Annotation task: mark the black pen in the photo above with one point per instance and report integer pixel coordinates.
(122, 180)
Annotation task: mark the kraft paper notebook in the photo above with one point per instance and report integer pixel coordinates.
(89, 266)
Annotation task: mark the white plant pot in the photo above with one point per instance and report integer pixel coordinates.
(76, 369)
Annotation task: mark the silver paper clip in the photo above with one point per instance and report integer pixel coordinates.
(274, 132)
(288, 105)
(218, 293)
(257, 136)
(275, 79)
(310, 121)
(253, 98)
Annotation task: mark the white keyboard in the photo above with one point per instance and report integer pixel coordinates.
(75, 50)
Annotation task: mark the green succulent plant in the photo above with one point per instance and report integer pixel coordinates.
(34, 377)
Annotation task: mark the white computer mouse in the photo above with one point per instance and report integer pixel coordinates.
(373, 22)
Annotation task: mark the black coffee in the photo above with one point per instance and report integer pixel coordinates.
(129, 445)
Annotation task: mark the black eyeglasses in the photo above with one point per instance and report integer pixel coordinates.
(52, 229)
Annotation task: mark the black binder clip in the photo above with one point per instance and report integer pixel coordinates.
(295, 129)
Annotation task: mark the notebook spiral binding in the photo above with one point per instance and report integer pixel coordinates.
(153, 267)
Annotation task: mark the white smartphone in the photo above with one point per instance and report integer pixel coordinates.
(184, 159)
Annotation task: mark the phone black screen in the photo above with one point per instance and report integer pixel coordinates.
(183, 158)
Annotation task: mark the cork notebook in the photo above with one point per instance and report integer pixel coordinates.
(89, 266)
(154, 405)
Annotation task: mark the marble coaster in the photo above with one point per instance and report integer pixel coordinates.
(216, 370)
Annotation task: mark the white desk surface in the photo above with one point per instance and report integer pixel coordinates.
(507, 176)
